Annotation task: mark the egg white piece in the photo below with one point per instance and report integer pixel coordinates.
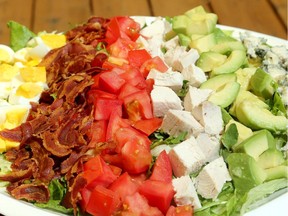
(6, 54)
(5, 88)
(9, 107)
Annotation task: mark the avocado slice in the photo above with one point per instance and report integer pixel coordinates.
(245, 171)
(209, 60)
(262, 84)
(277, 172)
(246, 95)
(216, 82)
(271, 158)
(243, 131)
(233, 63)
(227, 47)
(196, 10)
(256, 117)
(180, 23)
(184, 40)
(203, 44)
(244, 75)
(225, 95)
(222, 36)
(256, 144)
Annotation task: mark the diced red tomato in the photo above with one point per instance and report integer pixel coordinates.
(115, 122)
(103, 202)
(116, 170)
(133, 76)
(97, 172)
(154, 63)
(103, 107)
(124, 186)
(99, 60)
(85, 194)
(136, 158)
(137, 57)
(98, 132)
(129, 27)
(149, 85)
(185, 210)
(121, 47)
(162, 169)
(123, 135)
(158, 193)
(96, 81)
(113, 31)
(112, 159)
(126, 90)
(93, 94)
(148, 126)
(138, 205)
(138, 106)
(110, 82)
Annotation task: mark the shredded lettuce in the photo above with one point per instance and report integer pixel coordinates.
(230, 137)
(58, 189)
(231, 203)
(5, 167)
(19, 35)
(159, 138)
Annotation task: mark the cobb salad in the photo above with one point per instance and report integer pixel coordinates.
(129, 116)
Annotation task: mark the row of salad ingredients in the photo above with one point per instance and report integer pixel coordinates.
(205, 114)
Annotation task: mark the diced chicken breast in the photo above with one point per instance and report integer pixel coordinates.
(158, 149)
(164, 99)
(210, 146)
(155, 28)
(155, 45)
(143, 43)
(186, 157)
(210, 118)
(176, 122)
(179, 58)
(195, 97)
(194, 75)
(173, 55)
(185, 193)
(171, 44)
(171, 79)
(186, 59)
(211, 179)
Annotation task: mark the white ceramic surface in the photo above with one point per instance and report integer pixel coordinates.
(276, 206)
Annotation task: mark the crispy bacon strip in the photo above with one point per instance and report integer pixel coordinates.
(55, 138)
(36, 193)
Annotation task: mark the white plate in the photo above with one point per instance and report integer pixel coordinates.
(277, 206)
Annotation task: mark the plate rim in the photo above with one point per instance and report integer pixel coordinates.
(9, 204)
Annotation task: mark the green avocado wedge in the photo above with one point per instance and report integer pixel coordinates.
(256, 117)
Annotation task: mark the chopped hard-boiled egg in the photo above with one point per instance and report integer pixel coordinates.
(29, 90)
(7, 72)
(5, 89)
(33, 74)
(53, 40)
(11, 117)
(6, 54)
(22, 81)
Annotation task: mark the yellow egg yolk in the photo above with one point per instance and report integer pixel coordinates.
(7, 72)
(33, 74)
(54, 40)
(29, 90)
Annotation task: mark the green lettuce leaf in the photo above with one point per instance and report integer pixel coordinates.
(230, 136)
(159, 138)
(19, 35)
(58, 189)
(5, 167)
